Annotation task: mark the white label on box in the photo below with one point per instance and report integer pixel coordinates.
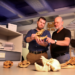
(2, 55)
(12, 27)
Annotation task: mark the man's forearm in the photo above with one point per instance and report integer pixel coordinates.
(45, 44)
(63, 43)
(28, 39)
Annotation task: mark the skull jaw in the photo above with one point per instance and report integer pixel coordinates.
(44, 68)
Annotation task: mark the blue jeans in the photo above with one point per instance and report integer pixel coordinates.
(63, 58)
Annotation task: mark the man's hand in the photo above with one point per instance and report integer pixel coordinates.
(49, 40)
(64, 42)
(33, 36)
(29, 39)
(41, 42)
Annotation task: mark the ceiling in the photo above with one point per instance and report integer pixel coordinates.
(24, 12)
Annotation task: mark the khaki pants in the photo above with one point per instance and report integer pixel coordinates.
(36, 58)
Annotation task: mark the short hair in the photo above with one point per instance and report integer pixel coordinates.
(41, 18)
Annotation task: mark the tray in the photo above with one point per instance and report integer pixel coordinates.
(68, 67)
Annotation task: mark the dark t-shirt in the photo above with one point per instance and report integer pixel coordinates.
(56, 49)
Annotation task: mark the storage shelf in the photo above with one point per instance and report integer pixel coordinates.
(9, 50)
(16, 38)
(7, 32)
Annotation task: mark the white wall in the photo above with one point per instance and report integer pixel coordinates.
(27, 27)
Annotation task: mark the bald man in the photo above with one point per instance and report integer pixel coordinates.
(60, 41)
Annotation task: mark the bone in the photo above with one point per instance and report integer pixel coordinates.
(24, 64)
(42, 37)
(40, 32)
(44, 68)
(44, 60)
(54, 64)
(49, 64)
(70, 62)
(7, 64)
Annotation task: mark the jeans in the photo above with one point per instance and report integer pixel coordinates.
(63, 58)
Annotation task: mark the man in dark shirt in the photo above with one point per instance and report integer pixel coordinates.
(37, 47)
(60, 41)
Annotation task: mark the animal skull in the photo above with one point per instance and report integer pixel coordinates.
(44, 68)
(40, 33)
(54, 64)
(49, 64)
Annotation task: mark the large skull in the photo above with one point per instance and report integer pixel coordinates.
(44, 68)
(54, 64)
(49, 64)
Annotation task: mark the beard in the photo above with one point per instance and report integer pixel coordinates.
(39, 28)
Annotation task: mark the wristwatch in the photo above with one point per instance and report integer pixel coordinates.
(55, 41)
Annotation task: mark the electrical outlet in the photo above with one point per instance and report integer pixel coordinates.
(2, 55)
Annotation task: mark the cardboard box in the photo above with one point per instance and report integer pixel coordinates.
(3, 26)
(8, 46)
(12, 27)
